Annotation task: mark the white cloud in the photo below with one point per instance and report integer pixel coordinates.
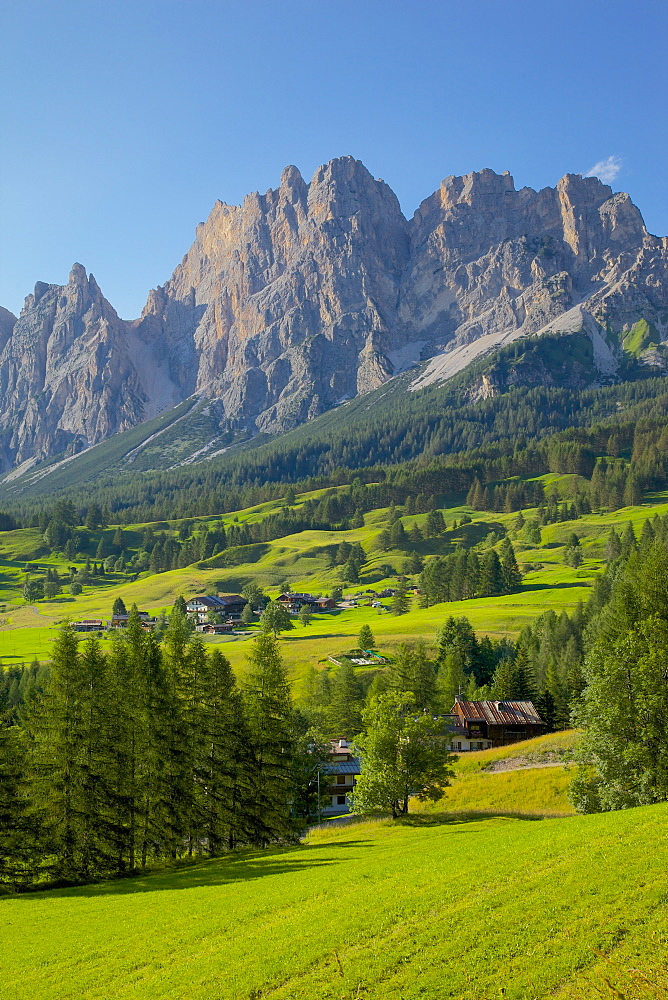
(606, 170)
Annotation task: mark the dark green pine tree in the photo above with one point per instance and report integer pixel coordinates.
(472, 579)
(119, 607)
(187, 658)
(524, 681)
(401, 601)
(613, 548)
(546, 708)
(629, 542)
(422, 677)
(458, 578)
(18, 851)
(178, 783)
(226, 766)
(63, 727)
(512, 578)
(491, 575)
(398, 535)
(503, 685)
(128, 751)
(180, 605)
(344, 711)
(268, 710)
(158, 823)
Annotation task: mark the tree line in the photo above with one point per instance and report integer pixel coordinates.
(150, 752)
(435, 441)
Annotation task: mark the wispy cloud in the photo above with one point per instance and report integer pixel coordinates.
(606, 170)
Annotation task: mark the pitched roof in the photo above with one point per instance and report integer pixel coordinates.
(499, 712)
(210, 601)
(343, 767)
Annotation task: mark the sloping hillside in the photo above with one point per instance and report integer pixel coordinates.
(437, 907)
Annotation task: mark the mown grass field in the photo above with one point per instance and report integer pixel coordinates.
(442, 905)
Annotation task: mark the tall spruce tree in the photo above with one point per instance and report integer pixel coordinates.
(63, 728)
(18, 857)
(268, 709)
(344, 710)
(225, 767)
(512, 578)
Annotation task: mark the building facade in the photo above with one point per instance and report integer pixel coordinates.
(477, 725)
(341, 773)
(228, 606)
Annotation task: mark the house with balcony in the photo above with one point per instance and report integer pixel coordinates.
(122, 621)
(341, 773)
(478, 725)
(295, 602)
(229, 606)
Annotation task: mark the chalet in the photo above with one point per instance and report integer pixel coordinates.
(88, 625)
(342, 772)
(324, 604)
(477, 725)
(227, 605)
(295, 602)
(209, 629)
(121, 621)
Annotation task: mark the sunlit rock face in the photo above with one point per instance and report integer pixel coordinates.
(315, 292)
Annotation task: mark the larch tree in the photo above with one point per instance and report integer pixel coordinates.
(268, 709)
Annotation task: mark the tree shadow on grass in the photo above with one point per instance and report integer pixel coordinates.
(237, 866)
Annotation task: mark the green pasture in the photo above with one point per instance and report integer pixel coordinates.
(441, 905)
(538, 788)
(304, 561)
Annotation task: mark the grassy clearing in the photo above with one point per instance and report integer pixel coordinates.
(539, 791)
(436, 906)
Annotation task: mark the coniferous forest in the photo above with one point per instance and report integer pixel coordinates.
(150, 752)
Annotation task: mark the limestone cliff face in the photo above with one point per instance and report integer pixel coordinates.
(315, 292)
(287, 303)
(487, 258)
(70, 373)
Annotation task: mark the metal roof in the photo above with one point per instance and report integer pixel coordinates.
(498, 712)
(345, 767)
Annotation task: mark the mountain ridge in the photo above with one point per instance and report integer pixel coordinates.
(316, 292)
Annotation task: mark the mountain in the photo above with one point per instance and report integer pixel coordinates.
(312, 294)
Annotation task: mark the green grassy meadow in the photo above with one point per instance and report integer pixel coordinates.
(439, 905)
(304, 560)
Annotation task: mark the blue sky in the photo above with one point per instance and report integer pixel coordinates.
(121, 123)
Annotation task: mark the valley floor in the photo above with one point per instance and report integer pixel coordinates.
(301, 561)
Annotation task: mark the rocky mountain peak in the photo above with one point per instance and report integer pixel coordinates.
(311, 293)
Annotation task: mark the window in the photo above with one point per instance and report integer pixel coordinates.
(459, 746)
(340, 779)
(479, 746)
(340, 800)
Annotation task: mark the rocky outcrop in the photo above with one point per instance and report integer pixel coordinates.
(71, 373)
(314, 292)
(286, 304)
